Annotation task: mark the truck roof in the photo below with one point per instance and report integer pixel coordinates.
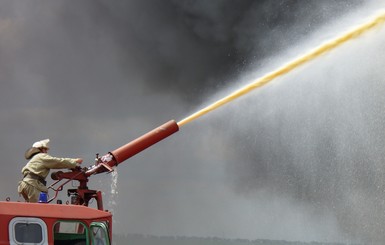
(45, 210)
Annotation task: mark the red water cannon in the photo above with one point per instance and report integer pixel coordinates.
(82, 195)
(115, 157)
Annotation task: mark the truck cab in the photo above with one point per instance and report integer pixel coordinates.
(53, 224)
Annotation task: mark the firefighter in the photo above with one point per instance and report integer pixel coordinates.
(38, 168)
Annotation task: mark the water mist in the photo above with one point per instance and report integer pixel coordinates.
(315, 139)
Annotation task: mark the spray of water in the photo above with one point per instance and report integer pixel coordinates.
(316, 141)
(326, 47)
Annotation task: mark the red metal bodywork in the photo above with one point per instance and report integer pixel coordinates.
(50, 214)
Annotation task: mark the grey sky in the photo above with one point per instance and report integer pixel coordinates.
(298, 160)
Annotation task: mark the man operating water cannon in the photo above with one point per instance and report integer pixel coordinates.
(82, 195)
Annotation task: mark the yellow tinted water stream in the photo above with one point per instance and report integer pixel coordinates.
(323, 48)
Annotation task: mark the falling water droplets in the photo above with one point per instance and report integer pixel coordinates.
(112, 203)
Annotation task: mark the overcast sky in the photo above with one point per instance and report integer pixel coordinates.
(301, 159)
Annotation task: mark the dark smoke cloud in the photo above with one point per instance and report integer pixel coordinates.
(92, 75)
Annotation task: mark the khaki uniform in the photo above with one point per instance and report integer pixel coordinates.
(40, 165)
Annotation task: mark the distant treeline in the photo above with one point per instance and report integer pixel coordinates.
(134, 239)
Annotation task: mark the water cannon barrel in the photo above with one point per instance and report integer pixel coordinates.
(134, 147)
(115, 157)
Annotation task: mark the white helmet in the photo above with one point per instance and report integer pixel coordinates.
(41, 144)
